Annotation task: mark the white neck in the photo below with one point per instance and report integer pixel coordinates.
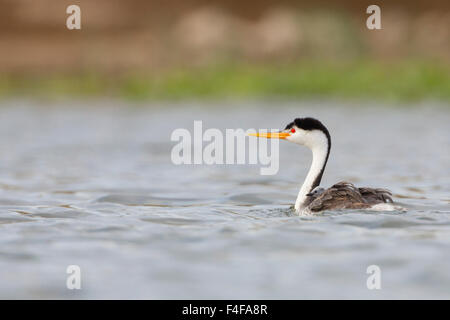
(318, 143)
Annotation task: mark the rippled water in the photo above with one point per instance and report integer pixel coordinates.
(93, 185)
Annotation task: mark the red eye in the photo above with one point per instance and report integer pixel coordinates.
(293, 130)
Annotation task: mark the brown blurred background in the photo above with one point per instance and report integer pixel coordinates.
(118, 36)
(153, 38)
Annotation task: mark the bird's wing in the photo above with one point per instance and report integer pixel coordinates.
(376, 195)
(342, 195)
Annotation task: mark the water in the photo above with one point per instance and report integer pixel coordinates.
(93, 185)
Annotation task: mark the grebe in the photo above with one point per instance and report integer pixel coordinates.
(312, 199)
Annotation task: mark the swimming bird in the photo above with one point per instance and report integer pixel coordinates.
(312, 198)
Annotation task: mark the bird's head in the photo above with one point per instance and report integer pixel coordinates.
(308, 132)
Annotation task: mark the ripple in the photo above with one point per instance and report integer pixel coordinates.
(96, 188)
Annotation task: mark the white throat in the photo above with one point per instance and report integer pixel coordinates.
(318, 143)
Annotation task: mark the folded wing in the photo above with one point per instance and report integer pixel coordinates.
(344, 195)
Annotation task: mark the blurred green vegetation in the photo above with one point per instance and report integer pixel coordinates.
(402, 81)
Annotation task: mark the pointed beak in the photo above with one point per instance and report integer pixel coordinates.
(271, 135)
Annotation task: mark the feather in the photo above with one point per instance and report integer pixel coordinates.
(344, 195)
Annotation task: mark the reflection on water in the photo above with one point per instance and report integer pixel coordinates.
(94, 186)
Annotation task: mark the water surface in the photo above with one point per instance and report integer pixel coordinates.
(92, 184)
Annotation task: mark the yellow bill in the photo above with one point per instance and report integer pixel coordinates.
(271, 135)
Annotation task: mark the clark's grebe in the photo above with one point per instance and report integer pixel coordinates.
(313, 134)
